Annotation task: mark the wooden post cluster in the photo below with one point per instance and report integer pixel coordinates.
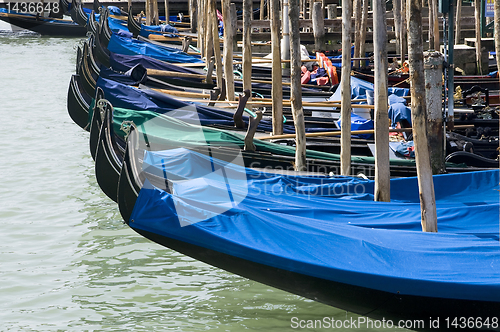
(419, 118)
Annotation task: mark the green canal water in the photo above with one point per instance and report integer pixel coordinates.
(67, 261)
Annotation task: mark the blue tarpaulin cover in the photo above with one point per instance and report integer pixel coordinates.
(128, 46)
(119, 94)
(146, 30)
(330, 227)
(122, 62)
(116, 25)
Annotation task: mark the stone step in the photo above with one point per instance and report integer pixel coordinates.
(487, 43)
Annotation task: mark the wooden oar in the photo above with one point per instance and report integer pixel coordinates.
(265, 60)
(166, 73)
(257, 103)
(184, 93)
(354, 132)
(260, 101)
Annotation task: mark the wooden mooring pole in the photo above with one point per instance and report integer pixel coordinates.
(345, 90)
(296, 88)
(200, 43)
(433, 68)
(331, 11)
(497, 31)
(419, 117)
(403, 33)
(228, 49)
(167, 18)
(496, 34)
(396, 13)
(193, 15)
(247, 45)
(458, 23)
(156, 13)
(234, 24)
(479, 51)
(216, 43)
(357, 30)
(285, 39)
(382, 171)
(318, 22)
(277, 85)
(433, 25)
(363, 26)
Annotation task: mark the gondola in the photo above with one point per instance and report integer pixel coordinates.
(133, 26)
(101, 52)
(366, 257)
(472, 159)
(78, 102)
(483, 148)
(123, 62)
(104, 29)
(78, 14)
(65, 6)
(107, 163)
(88, 71)
(43, 25)
(92, 25)
(226, 143)
(319, 143)
(331, 145)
